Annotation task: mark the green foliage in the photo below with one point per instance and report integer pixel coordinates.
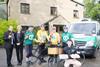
(92, 9)
(1, 0)
(4, 27)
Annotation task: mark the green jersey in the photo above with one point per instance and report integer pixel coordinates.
(29, 40)
(66, 36)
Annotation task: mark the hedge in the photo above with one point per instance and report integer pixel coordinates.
(4, 24)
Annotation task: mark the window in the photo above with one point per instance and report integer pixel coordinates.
(25, 8)
(75, 14)
(3, 11)
(54, 11)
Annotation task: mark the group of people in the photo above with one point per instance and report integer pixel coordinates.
(20, 39)
(14, 39)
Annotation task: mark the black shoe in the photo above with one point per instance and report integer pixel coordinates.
(10, 65)
(30, 62)
(43, 61)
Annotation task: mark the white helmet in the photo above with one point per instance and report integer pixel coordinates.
(65, 27)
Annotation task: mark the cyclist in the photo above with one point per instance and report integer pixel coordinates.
(28, 41)
(65, 36)
(42, 36)
(55, 41)
(54, 37)
(72, 55)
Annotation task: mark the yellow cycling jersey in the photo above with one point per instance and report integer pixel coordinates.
(55, 38)
(42, 35)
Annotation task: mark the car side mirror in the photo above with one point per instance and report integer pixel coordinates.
(98, 33)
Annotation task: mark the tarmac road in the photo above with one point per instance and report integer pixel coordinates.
(89, 62)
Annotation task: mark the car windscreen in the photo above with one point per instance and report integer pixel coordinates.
(83, 28)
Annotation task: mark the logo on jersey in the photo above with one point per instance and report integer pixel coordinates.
(54, 37)
(65, 38)
(31, 37)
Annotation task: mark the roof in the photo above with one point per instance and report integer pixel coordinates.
(77, 2)
(60, 20)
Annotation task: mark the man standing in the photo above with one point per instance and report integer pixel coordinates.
(9, 39)
(19, 36)
(65, 36)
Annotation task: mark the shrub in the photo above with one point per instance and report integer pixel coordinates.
(4, 27)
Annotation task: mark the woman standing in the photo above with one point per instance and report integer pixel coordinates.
(9, 38)
(19, 35)
(28, 42)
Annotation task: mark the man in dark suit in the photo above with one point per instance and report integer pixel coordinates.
(19, 38)
(9, 38)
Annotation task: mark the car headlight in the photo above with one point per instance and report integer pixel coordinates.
(90, 44)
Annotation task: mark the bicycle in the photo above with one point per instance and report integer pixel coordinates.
(53, 53)
(65, 56)
(36, 54)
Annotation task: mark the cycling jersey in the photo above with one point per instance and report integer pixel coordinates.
(55, 38)
(42, 36)
(66, 36)
(30, 38)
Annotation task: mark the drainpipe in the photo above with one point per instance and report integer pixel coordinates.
(7, 2)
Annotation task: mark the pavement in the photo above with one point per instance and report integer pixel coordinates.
(89, 62)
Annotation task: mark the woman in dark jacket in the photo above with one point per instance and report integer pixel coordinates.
(19, 38)
(9, 38)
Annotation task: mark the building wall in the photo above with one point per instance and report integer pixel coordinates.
(40, 11)
(66, 10)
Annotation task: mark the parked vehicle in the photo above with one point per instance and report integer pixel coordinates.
(86, 35)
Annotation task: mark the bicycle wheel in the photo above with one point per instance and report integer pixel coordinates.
(35, 55)
(82, 59)
(60, 63)
(52, 62)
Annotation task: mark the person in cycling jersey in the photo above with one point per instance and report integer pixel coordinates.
(72, 55)
(42, 36)
(54, 37)
(55, 41)
(28, 42)
(65, 36)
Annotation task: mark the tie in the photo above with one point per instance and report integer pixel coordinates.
(12, 39)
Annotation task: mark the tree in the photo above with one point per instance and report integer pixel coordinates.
(92, 9)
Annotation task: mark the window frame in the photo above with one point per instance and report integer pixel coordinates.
(24, 8)
(75, 13)
(53, 11)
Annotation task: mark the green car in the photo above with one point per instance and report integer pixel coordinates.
(86, 36)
